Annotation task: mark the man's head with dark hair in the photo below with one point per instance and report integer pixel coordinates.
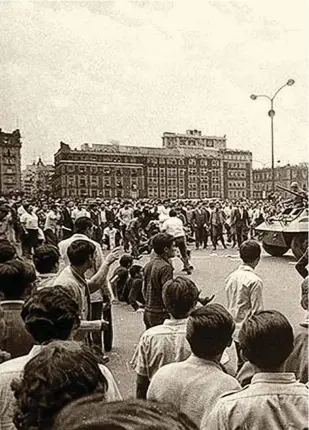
(126, 415)
(16, 278)
(51, 314)
(209, 331)
(266, 339)
(250, 252)
(180, 296)
(135, 270)
(46, 259)
(163, 244)
(7, 251)
(137, 213)
(60, 373)
(84, 225)
(173, 213)
(80, 253)
(126, 261)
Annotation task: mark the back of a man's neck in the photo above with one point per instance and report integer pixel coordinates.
(79, 270)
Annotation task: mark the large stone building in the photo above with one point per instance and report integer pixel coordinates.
(37, 179)
(284, 176)
(10, 166)
(186, 166)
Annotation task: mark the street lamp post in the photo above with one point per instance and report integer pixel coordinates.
(271, 114)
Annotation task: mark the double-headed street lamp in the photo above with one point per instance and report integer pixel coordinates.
(271, 113)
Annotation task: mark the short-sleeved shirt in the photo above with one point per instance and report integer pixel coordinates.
(192, 386)
(174, 227)
(51, 221)
(167, 343)
(160, 345)
(30, 221)
(271, 401)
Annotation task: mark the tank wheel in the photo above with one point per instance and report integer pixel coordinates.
(275, 251)
(299, 245)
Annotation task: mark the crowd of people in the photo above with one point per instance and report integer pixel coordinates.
(198, 364)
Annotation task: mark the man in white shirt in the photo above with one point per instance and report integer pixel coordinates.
(83, 228)
(174, 226)
(50, 227)
(244, 289)
(125, 215)
(166, 343)
(274, 399)
(195, 385)
(80, 211)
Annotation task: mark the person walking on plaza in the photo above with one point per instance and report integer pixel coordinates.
(240, 220)
(66, 220)
(50, 226)
(217, 221)
(125, 215)
(157, 272)
(133, 233)
(174, 226)
(244, 289)
(30, 230)
(200, 220)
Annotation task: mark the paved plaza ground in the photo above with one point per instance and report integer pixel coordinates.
(281, 292)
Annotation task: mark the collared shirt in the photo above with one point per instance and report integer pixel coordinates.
(77, 286)
(167, 343)
(192, 386)
(271, 401)
(12, 369)
(156, 272)
(160, 345)
(244, 290)
(98, 255)
(174, 227)
(44, 280)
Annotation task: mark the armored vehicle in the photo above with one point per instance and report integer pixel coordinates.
(287, 230)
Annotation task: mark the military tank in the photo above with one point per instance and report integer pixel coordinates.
(287, 230)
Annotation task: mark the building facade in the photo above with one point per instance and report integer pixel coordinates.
(10, 162)
(190, 166)
(37, 179)
(284, 176)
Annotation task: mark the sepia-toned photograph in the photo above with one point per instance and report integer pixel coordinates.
(154, 215)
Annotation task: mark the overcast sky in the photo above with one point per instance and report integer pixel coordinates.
(129, 71)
